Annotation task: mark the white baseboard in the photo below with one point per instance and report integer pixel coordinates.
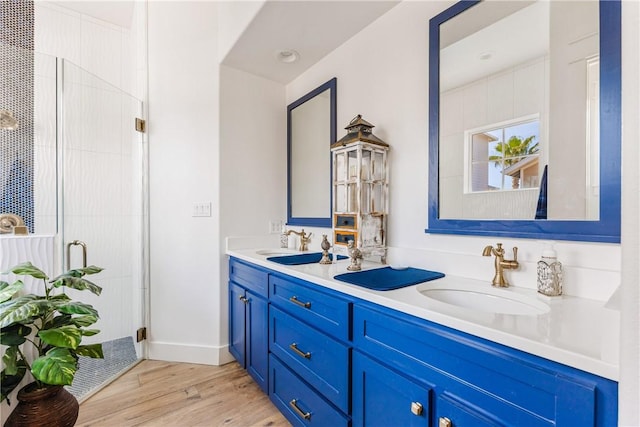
(204, 355)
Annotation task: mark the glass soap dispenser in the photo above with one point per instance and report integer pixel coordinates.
(549, 273)
(284, 237)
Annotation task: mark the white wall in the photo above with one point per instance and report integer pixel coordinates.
(184, 169)
(253, 145)
(630, 296)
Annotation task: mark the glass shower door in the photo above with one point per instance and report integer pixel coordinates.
(103, 213)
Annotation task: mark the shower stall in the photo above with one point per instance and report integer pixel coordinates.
(75, 168)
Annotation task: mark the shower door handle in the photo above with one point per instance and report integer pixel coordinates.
(84, 253)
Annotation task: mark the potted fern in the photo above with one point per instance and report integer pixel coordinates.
(54, 325)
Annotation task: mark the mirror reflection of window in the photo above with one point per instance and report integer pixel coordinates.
(504, 157)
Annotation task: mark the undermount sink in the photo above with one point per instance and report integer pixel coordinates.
(489, 300)
(276, 252)
(294, 258)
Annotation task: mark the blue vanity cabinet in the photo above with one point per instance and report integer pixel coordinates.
(309, 329)
(472, 381)
(248, 320)
(328, 359)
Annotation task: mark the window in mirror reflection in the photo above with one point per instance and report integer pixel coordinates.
(504, 157)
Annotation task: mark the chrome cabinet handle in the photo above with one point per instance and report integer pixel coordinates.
(243, 299)
(299, 352)
(295, 300)
(294, 405)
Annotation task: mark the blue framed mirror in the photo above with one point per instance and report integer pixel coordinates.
(526, 142)
(311, 129)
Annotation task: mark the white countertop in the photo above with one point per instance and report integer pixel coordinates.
(577, 332)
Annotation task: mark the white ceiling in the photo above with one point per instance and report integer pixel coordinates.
(312, 28)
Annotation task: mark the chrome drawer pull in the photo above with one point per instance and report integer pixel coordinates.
(299, 352)
(295, 300)
(305, 415)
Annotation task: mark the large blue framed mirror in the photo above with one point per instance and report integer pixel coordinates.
(311, 129)
(524, 120)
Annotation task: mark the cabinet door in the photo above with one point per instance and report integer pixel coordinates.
(257, 339)
(383, 397)
(237, 323)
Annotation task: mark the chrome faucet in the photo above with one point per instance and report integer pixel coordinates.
(304, 239)
(501, 264)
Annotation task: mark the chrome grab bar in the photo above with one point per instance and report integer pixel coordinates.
(84, 253)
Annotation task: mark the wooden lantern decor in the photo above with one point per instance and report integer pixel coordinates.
(360, 190)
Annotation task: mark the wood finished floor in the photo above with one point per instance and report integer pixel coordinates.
(156, 393)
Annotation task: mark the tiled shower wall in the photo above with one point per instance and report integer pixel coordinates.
(17, 96)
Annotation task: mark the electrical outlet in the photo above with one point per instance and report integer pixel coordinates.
(275, 227)
(201, 209)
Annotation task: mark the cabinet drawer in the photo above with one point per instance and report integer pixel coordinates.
(250, 277)
(345, 221)
(383, 397)
(320, 360)
(298, 402)
(322, 310)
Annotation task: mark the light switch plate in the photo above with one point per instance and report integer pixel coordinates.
(275, 227)
(201, 209)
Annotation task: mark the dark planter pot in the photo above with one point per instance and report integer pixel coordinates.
(51, 406)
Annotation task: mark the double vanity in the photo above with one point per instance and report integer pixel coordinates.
(454, 351)
(447, 352)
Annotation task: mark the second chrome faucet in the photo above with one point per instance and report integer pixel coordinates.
(501, 264)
